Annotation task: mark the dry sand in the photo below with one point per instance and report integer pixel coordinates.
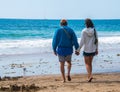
(109, 82)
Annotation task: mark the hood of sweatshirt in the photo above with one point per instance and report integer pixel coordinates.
(89, 31)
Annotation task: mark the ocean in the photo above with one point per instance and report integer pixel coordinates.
(26, 44)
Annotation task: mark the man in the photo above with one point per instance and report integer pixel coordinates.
(63, 41)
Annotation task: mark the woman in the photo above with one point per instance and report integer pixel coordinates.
(89, 40)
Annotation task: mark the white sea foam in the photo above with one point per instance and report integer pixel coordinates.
(24, 43)
(45, 45)
(25, 46)
(109, 40)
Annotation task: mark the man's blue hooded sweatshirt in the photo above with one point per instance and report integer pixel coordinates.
(63, 41)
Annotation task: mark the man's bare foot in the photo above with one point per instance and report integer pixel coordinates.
(63, 81)
(69, 78)
(90, 79)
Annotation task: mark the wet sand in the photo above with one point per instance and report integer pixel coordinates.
(103, 82)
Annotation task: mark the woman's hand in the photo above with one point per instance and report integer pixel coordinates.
(96, 52)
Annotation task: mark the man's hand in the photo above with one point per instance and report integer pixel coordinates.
(55, 53)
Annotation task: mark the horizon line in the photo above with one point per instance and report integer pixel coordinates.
(63, 18)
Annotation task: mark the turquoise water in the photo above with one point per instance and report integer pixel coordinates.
(34, 29)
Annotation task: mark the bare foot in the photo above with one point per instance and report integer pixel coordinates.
(69, 78)
(90, 79)
(63, 81)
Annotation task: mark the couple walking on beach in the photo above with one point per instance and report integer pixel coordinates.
(65, 38)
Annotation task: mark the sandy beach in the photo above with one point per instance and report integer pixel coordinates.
(105, 82)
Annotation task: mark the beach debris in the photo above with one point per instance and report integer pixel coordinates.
(4, 88)
(57, 80)
(19, 88)
(40, 59)
(101, 66)
(9, 72)
(24, 71)
(0, 78)
(106, 60)
(118, 54)
(6, 78)
(16, 65)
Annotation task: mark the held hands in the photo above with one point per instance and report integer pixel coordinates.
(77, 53)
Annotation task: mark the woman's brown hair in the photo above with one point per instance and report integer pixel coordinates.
(89, 23)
